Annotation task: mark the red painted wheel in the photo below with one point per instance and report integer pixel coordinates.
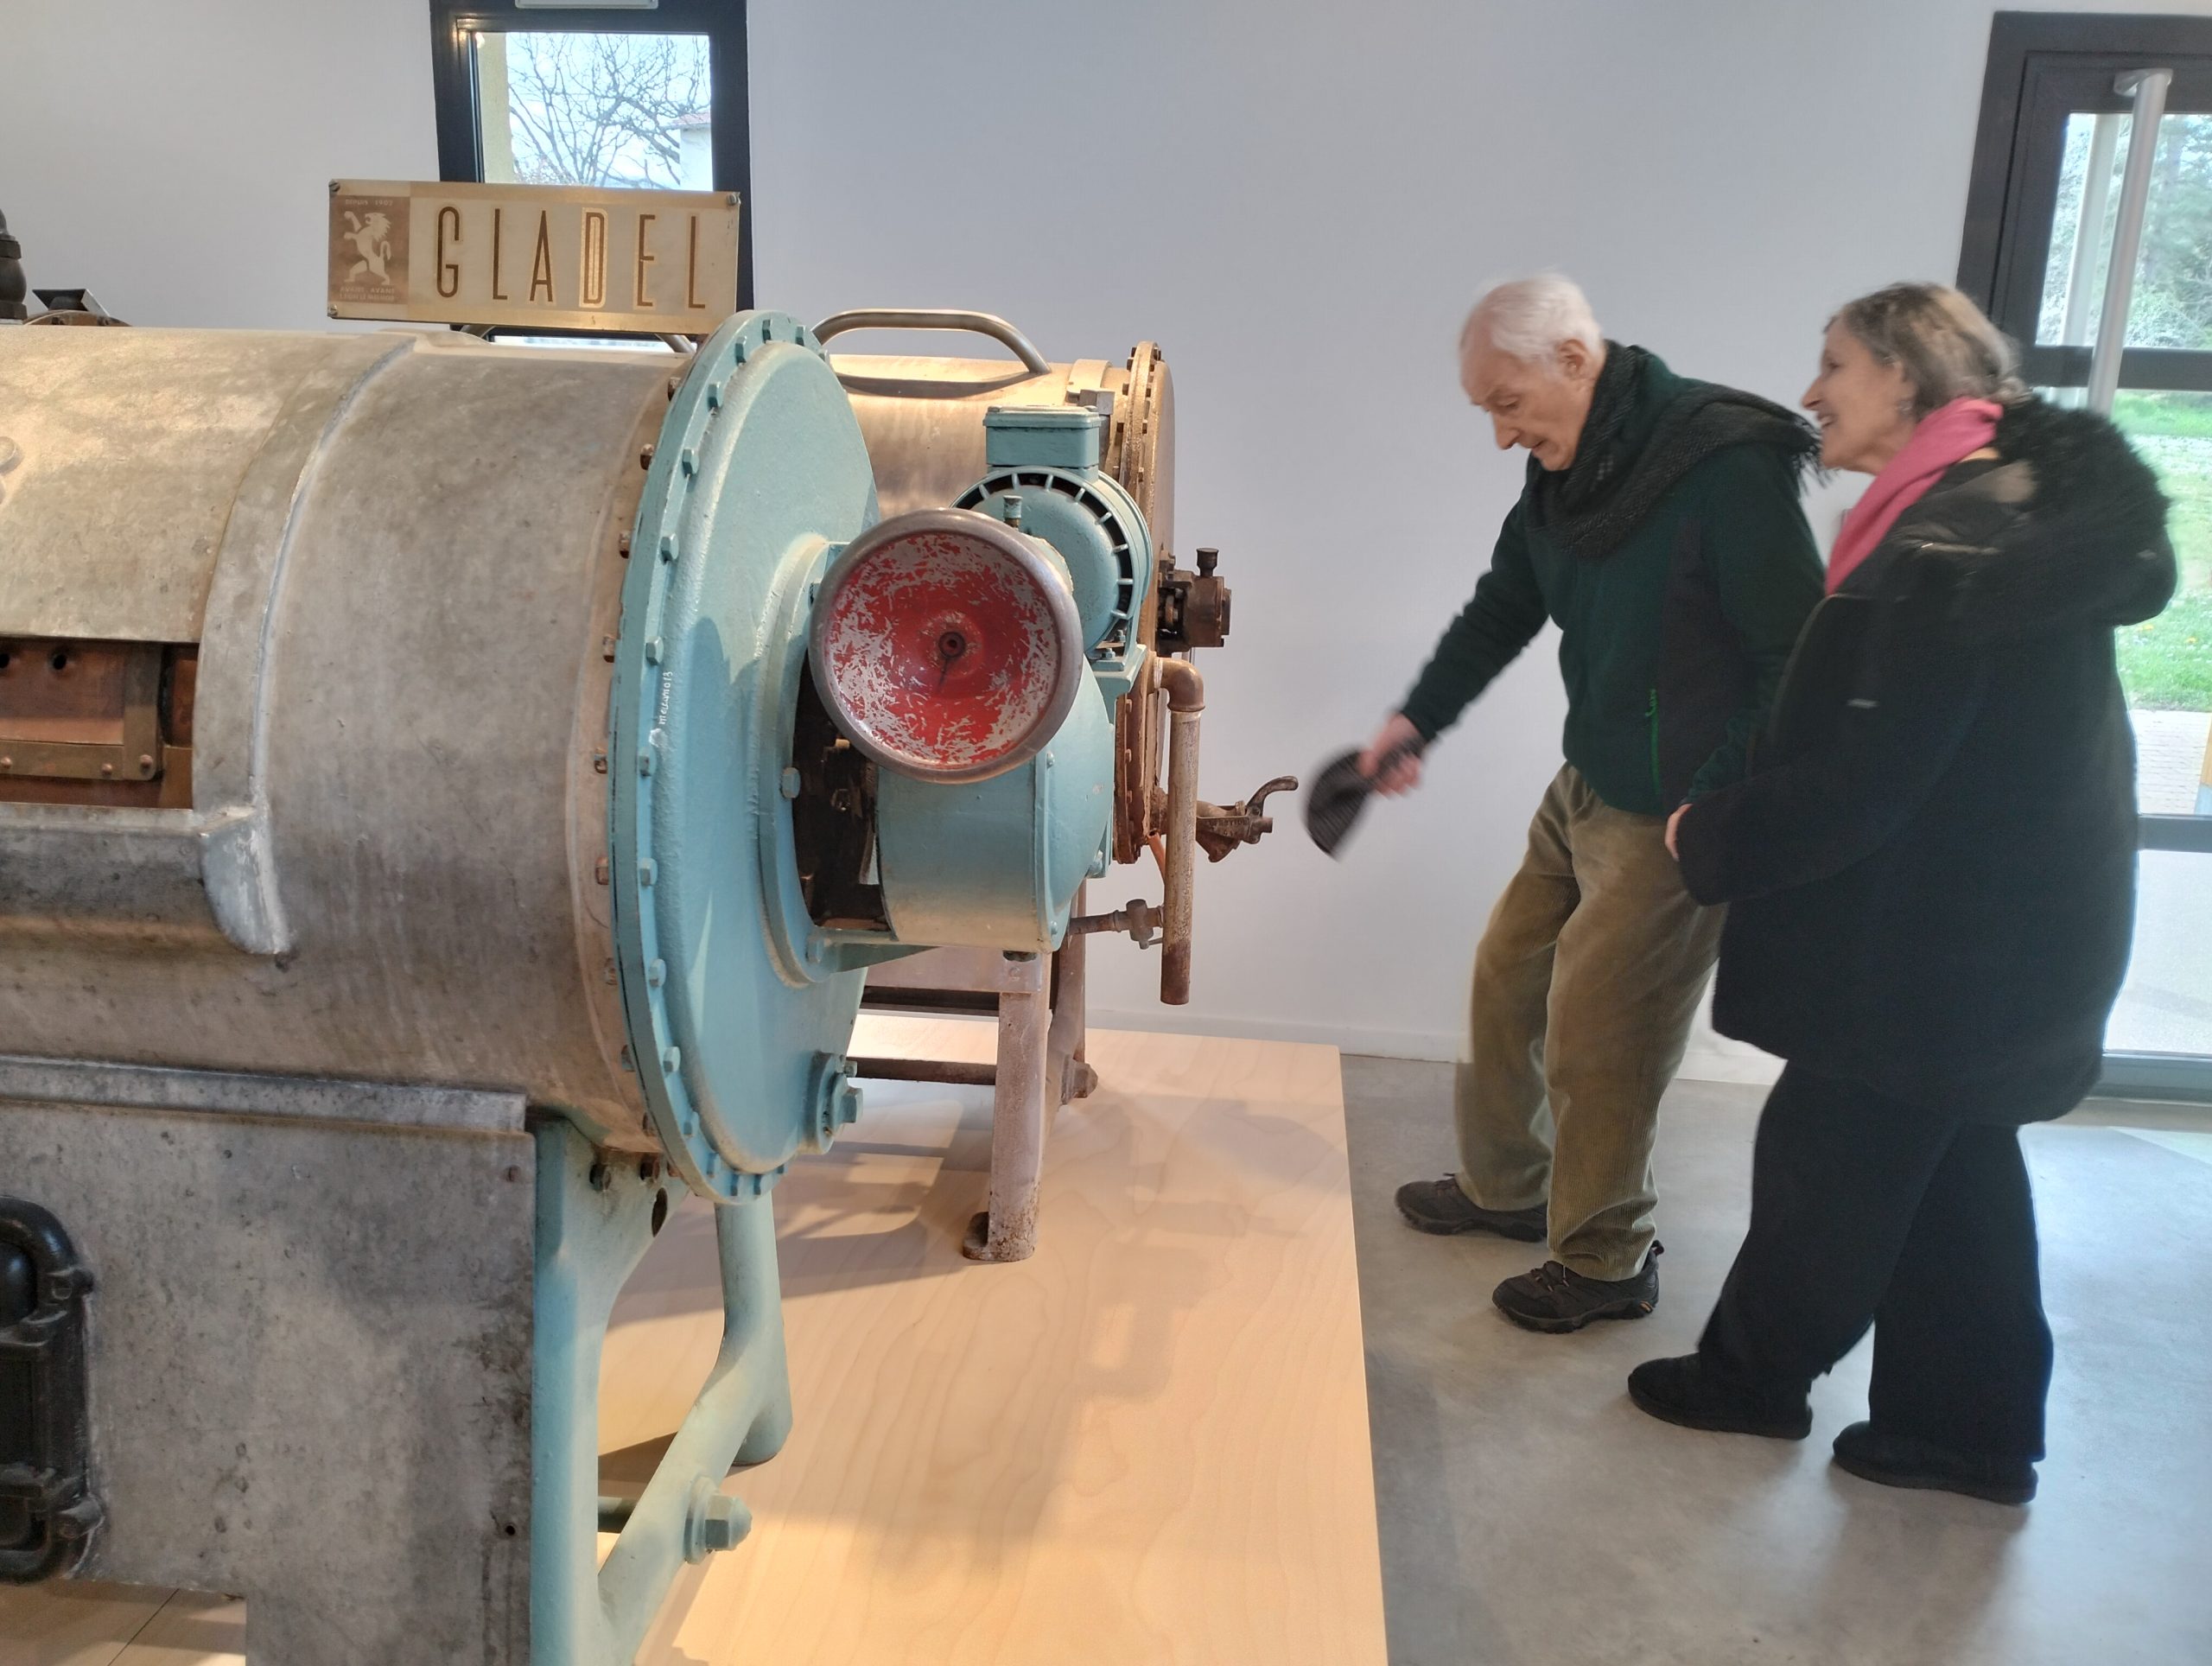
(947, 645)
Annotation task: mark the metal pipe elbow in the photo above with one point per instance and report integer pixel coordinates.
(1187, 689)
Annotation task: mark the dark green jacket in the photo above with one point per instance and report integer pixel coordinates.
(1672, 645)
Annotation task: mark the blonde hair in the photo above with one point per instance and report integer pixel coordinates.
(1946, 346)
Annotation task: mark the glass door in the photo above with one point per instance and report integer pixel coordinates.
(2097, 258)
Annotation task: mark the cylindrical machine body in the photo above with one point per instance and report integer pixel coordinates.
(924, 418)
(399, 558)
(434, 715)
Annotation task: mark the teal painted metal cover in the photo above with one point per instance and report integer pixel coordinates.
(737, 1036)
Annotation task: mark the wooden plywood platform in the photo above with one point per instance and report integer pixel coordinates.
(1148, 1444)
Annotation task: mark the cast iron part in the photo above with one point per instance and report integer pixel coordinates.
(1194, 607)
(13, 284)
(833, 820)
(1139, 919)
(1222, 828)
(47, 1512)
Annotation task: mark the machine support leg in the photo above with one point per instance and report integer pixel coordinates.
(1067, 1077)
(1020, 1112)
(595, 1223)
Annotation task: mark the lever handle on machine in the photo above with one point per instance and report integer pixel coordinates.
(935, 318)
(1222, 828)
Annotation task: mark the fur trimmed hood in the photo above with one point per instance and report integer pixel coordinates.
(2068, 528)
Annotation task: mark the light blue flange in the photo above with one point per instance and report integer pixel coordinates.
(760, 469)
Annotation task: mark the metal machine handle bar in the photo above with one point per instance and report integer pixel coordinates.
(935, 318)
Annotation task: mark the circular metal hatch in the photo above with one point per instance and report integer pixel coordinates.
(759, 471)
(947, 645)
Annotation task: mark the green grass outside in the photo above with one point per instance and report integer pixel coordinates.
(2182, 415)
(2167, 663)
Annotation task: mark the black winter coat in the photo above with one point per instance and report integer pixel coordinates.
(1932, 862)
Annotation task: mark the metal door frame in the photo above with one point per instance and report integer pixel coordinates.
(2043, 65)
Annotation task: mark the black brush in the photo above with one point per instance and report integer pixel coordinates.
(1341, 791)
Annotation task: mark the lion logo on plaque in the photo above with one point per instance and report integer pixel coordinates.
(372, 238)
(368, 251)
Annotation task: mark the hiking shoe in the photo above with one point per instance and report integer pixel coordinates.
(1440, 1206)
(1888, 1459)
(1554, 1298)
(1690, 1391)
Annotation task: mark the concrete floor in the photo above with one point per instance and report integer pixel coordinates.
(1531, 1517)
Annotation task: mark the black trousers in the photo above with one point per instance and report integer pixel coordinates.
(1867, 1210)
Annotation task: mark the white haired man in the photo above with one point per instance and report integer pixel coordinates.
(1660, 530)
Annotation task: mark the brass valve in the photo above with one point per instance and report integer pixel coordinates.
(1138, 918)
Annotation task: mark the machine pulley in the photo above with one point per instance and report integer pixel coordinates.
(947, 645)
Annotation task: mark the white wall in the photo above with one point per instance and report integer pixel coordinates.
(177, 163)
(1299, 199)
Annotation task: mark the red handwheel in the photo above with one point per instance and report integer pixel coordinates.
(947, 645)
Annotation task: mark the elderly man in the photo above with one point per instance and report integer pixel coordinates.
(1660, 530)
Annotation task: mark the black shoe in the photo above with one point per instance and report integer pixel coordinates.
(1689, 1391)
(1440, 1206)
(1556, 1298)
(1900, 1460)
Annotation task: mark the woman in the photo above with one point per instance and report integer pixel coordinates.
(1932, 869)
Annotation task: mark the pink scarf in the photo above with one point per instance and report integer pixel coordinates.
(1944, 438)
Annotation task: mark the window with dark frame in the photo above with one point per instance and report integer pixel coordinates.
(638, 95)
(2047, 206)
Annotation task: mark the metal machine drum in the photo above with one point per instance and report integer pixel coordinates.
(376, 580)
(421, 845)
(923, 416)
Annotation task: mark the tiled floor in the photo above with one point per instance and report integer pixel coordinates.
(2170, 749)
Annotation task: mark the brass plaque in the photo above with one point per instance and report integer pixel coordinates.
(555, 256)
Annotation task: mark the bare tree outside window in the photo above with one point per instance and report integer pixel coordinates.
(593, 109)
(2172, 305)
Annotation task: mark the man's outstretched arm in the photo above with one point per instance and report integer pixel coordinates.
(1502, 618)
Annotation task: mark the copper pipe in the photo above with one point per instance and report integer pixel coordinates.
(1186, 699)
(1187, 689)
